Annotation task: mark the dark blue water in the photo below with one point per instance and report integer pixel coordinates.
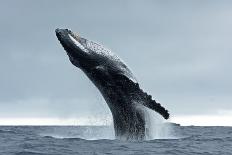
(74, 140)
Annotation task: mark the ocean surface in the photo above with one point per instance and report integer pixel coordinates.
(97, 140)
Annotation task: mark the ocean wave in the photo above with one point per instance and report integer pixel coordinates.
(61, 137)
(31, 153)
(7, 131)
(75, 138)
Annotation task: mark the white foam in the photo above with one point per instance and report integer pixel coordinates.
(157, 127)
(82, 132)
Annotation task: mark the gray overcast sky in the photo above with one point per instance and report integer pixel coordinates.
(180, 52)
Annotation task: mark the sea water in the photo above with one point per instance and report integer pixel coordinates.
(96, 140)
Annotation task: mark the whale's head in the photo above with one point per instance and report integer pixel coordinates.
(88, 55)
(75, 46)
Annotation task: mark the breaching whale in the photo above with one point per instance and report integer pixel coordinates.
(116, 83)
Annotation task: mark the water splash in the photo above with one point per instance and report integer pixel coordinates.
(95, 128)
(80, 132)
(157, 127)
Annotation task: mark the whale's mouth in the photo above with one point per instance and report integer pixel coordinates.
(72, 43)
(63, 34)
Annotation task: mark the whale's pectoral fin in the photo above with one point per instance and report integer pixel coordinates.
(152, 104)
(136, 93)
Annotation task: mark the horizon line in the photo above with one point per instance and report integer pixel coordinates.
(194, 120)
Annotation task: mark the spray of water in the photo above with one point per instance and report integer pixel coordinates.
(156, 126)
(94, 128)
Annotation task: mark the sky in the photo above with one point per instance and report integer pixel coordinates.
(179, 51)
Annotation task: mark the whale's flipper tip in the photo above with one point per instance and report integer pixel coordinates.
(152, 104)
(159, 108)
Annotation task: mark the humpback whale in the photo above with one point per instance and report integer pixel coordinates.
(116, 83)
